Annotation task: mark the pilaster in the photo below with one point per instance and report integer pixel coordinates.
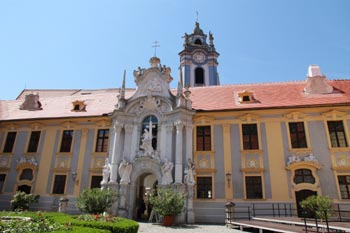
(115, 153)
(178, 154)
(227, 160)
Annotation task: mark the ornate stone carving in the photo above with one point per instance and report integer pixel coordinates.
(166, 169)
(106, 171)
(189, 173)
(124, 170)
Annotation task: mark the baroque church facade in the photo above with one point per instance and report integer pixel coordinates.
(268, 143)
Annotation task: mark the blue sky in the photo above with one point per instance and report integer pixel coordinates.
(87, 44)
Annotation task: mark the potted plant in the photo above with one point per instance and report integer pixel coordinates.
(167, 203)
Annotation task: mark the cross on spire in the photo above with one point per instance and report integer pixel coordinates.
(197, 14)
(156, 44)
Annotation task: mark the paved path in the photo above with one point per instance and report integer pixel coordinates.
(196, 228)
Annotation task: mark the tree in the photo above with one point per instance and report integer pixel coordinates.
(21, 200)
(319, 206)
(96, 201)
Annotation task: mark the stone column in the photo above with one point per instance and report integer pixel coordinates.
(189, 142)
(115, 153)
(162, 142)
(178, 154)
(127, 141)
(134, 142)
(169, 141)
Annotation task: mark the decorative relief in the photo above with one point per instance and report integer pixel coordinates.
(203, 163)
(62, 162)
(334, 115)
(249, 118)
(26, 159)
(308, 158)
(252, 163)
(295, 116)
(342, 161)
(5, 161)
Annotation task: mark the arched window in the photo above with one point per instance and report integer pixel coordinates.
(27, 174)
(150, 125)
(198, 41)
(199, 76)
(303, 176)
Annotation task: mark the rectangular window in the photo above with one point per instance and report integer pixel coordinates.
(33, 141)
(203, 138)
(96, 182)
(10, 141)
(204, 187)
(59, 184)
(253, 186)
(2, 181)
(344, 186)
(337, 133)
(66, 143)
(102, 140)
(297, 135)
(250, 137)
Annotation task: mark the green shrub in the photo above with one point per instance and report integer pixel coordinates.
(21, 200)
(317, 206)
(167, 201)
(96, 201)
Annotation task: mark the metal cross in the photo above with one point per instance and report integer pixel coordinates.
(197, 16)
(156, 44)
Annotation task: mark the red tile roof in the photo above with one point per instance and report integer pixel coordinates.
(58, 103)
(268, 95)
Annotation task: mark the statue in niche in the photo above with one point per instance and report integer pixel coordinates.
(146, 138)
(166, 169)
(106, 171)
(125, 169)
(189, 173)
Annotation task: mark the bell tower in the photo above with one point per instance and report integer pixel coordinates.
(198, 59)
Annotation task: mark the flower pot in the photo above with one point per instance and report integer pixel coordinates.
(168, 220)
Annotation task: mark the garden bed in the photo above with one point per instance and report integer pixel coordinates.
(59, 222)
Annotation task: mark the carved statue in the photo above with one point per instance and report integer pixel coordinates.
(106, 171)
(189, 173)
(211, 38)
(166, 170)
(125, 169)
(147, 143)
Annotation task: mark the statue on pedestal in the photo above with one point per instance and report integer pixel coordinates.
(166, 169)
(189, 173)
(106, 171)
(125, 169)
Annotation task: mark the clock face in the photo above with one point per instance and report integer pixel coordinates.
(199, 57)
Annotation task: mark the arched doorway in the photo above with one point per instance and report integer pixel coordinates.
(145, 185)
(299, 197)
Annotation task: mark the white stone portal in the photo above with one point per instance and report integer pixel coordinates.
(148, 140)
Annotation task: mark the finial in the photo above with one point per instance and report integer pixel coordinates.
(122, 91)
(197, 16)
(156, 44)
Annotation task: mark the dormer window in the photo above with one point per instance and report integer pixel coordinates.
(78, 106)
(246, 97)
